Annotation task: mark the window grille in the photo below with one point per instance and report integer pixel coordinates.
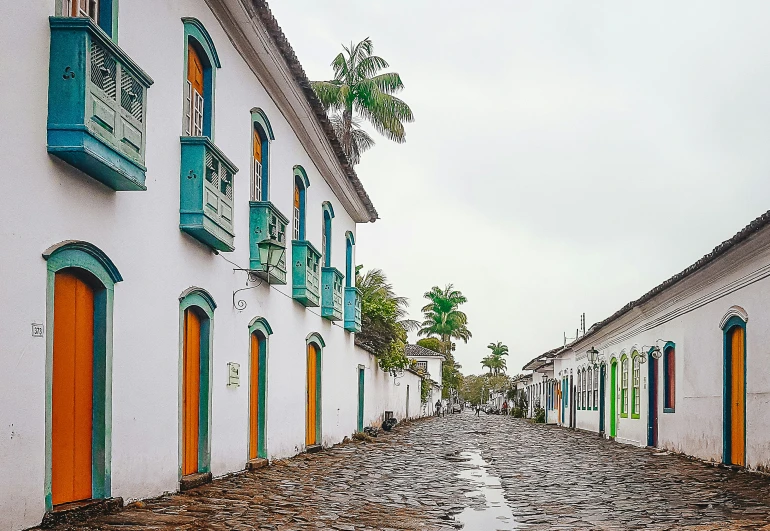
(323, 240)
(103, 69)
(670, 378)
(590, 387)
(194, 111)
(624, 386)
(636, 375)
(82, 8)
(596, 387)
(256, 181)
(422, 365)
(296, 212)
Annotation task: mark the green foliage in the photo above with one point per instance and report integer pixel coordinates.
(358, 91)
(495, 361)
(383, 323)
(476, 388)
(424, 390)
(432, 343)
(539, 415)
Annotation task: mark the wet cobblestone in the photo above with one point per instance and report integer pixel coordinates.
(552, 478)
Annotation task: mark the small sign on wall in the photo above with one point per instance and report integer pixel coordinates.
(37, 329)
(233, 374)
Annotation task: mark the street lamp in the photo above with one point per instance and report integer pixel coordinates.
(270, 254)
(593, 355)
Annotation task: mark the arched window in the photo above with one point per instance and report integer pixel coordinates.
(669, 378)
(590, 387)
(262, 134)
(624, 386)
(259, 331)
(596, 387)
(326, 234)
(635, 391)
(349, 272)
(104, 13)
(301, 183)
(201, 62)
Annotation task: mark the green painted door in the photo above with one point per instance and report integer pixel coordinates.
(360, 400)
(613, 400)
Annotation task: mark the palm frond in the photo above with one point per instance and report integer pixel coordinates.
(329, 94)
(369, 66)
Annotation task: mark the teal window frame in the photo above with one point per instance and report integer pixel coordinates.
(85, 256)
(261, 125)
(350, 241)
(326, 228)
(263, 330)
(195, 33)
(301, 180)
(108, 16)
(669, 378)
(195, 297)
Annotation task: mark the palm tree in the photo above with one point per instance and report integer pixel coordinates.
(358, 92)
(487, 362)
(498, 349)
(442, 316)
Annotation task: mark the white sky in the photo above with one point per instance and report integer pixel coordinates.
(566, 156)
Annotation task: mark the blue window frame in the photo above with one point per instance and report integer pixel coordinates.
(262, 133)
(326, 234)
(301, 184)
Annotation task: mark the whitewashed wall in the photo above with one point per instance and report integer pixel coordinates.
(140, 233)
(689, 314)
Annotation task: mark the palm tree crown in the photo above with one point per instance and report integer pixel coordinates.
(358, 88)
(442, 316)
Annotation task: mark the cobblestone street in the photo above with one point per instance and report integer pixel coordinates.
(426, 476)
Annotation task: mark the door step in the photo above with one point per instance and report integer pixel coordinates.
(194, 480)
(255, 464)
(74, 512)
(314, 448)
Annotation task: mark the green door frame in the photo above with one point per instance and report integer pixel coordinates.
(613, 397)
(360, 425)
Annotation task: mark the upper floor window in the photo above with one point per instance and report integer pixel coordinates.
(422, 365)
(301, 184)
(326, 233)
(262, 134)
(349, 243)
(669, 378)
(201, 63)
(590, 387)
(596, 387)
(635, 404)
(624, 387)
(102, 12)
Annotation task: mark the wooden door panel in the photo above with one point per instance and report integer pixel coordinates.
(72, 390)
(191, 391)
(737, 394)
(310, 430)
(254, 399)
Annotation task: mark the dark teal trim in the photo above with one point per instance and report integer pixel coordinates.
(667, 349)
(262, 125)
(332, 293)
(315, 337)
(89, 258)
(195, 33)
(653, 370)
(204, 302)
(352, 309)
(349, 243)
(306, 273)
(266, 222)
(361, 379)
(300, 172)
(262, 328)
(327, 228)
(301, 180)
(731, 323)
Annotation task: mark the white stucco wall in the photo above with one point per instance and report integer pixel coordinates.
(689, 314)
(140, 233)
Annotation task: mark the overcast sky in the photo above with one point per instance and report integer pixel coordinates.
(566, 157)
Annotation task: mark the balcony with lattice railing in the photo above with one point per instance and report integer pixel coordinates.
(306, 273)
(352, 309)
(267, 223)
(206, 195)
(97, 105)
(331, 293)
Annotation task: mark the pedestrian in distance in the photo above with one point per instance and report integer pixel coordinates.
(505, 407)
(438, 408)
(478, 410)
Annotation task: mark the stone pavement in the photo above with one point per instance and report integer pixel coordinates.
(552, 478)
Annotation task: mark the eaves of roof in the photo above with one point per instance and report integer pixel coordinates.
(298, 73)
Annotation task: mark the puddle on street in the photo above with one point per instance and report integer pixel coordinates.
(496, 515)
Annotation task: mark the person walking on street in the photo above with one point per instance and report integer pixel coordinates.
(438, 407)
(505, 407)
(478, 410)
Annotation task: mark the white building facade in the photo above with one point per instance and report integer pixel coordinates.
(432, 365)
(683, 367)
(187, 159)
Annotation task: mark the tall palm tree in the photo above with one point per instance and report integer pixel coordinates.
(498, 349)
(358, 92)
(488, 363)
(442, 316)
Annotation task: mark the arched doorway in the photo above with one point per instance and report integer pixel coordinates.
(734, 408)
(197, 314)
(602, 397)
(313, 395)
(652, 402)
(613, 398)
(81, 280)
(259, 330)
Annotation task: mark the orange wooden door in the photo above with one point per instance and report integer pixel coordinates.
(194, 69)
(73, 385)
(310, 423)
(254, 399)
(737, 398)
(191, 391)
(257, 147)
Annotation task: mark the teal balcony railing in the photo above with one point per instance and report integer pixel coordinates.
(352, 309)
(97, 105)
(267, 222)
(206, 193)
(306, 273)
(331, 293)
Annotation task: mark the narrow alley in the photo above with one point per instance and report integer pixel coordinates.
(477, 473)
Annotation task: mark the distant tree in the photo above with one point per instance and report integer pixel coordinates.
(432, 343)
(358, 91)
